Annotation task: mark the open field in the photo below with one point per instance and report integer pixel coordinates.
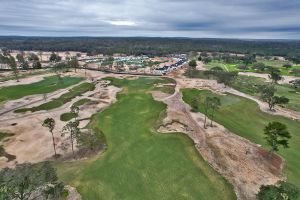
(250, 85)
(140, 163)
(278, 64)
(243, 117)
(63, 99)
(49, 84)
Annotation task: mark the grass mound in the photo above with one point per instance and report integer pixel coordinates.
(81, 102)
(243, 117)
(67, 116)
(140, 163)
(63, 99)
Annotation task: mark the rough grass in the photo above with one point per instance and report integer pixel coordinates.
(63, 99)
(81, 102)
(243, 117)
(273, 63)
(67, 116)
(249, 85)
(140, 163)
(49, 84)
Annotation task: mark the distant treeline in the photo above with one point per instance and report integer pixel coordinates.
(151, 46)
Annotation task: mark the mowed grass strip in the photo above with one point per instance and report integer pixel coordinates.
(139, 162)
(49, 84)
(81, 102)
(243, 117)
(63, 99)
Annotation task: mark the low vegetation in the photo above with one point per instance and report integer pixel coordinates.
(63, 99)
(243, 117)
(81, 102)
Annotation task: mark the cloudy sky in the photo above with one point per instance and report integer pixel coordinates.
(265, 19)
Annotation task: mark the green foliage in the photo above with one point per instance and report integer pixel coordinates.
(54, 57)
(268, 95)
(25, 179)
(281, 191)
(81, 102)
(276, 135)
(193, 64)
(67, 116)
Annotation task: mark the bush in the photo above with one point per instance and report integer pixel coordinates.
(280, 191)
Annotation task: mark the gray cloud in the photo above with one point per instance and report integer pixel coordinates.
(175, 18)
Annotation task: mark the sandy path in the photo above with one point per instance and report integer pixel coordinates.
(236, 158)
(285, 80)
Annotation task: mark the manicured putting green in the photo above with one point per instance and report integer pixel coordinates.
(243, 117)
(139, 162)
(49, 84)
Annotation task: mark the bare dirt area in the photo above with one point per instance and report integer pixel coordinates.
(31, 141)
(285, 80)
(241, 162)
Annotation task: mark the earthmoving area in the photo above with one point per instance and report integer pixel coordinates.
(135, 114)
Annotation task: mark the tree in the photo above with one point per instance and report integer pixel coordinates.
(72, 129)
(33, 57)
(13, 66)
(276, 135)
(281, 191)
(268, 95)
(226, 77)
(75, 110)
(37, 65)
(27, 181)
(275, 76)
(20, 58)
(215, 104)
(54, 57)
(74, 63)
(50, 124)
(85, 67)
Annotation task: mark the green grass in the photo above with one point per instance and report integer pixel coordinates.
(81, 102)
(63, 99)
(67, 116)
(49, 84)
(140, 163)
(244, 118)
(250, 85)
(273, 63)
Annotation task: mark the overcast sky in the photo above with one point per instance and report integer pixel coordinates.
(265, 19)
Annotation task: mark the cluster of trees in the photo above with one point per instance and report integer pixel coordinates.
(27, 181)
(153, 46)
(87, 140)
(280, 191)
